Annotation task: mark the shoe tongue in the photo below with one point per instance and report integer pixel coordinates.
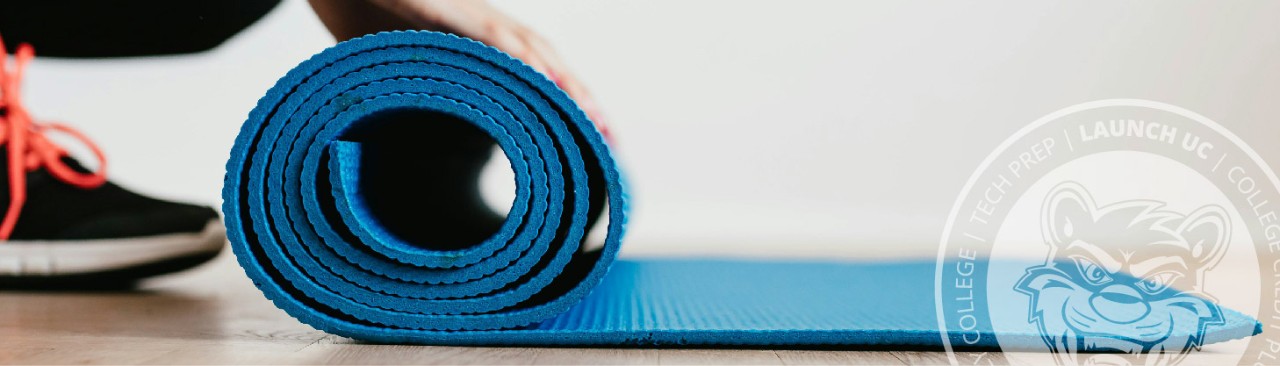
(74, 164)
(69, 161)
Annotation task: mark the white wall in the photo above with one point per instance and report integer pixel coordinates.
(788, 123)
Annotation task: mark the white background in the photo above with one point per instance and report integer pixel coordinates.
(769, 123)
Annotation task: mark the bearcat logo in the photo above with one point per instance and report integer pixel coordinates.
(1123, 281)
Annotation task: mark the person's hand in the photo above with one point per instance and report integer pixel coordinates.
(473, 19)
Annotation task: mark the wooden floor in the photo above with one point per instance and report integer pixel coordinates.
(214, 315)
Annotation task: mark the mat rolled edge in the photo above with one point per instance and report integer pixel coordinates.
(249, 246)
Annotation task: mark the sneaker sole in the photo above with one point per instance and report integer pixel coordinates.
(106, 262)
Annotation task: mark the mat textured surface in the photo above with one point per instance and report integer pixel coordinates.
(351, 200)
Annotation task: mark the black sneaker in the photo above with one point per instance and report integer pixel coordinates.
(66, 226)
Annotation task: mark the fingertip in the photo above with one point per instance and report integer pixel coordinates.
(598, 119)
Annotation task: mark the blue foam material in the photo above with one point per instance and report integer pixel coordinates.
(371, 232)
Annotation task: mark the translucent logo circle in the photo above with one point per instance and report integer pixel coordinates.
(1112, 232)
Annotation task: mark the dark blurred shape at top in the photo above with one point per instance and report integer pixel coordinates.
(125, 28)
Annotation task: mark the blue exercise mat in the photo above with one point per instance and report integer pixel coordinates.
(351, 201)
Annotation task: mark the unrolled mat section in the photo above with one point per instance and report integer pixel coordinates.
(351, 200)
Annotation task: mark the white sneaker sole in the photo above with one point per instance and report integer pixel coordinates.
(40, 258)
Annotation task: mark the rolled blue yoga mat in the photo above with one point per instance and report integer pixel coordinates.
(351, 201)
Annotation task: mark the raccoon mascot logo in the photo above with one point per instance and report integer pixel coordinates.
(1121, 278)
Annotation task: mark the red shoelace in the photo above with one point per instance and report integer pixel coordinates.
(25, 141)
